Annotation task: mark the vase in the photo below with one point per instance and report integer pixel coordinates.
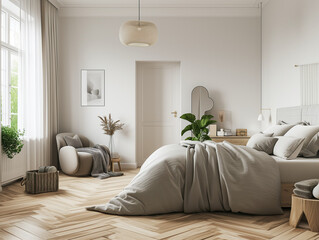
(113, 153)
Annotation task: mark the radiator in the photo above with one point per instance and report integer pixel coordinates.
(13, 169)
(309, 86)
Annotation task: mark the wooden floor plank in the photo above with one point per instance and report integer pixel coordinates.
(62, 215)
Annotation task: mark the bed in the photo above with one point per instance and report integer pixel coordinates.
(195, 177)
(298, 169)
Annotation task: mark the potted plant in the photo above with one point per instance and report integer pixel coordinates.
(109, 127)
(12, 143)
(198, 127)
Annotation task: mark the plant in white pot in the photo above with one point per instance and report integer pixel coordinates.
(109, 127)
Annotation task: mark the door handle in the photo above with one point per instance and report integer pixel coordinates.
(175, 113)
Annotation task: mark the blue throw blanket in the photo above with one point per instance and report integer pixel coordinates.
(101, 161)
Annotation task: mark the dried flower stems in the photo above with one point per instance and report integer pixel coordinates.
(109, 126)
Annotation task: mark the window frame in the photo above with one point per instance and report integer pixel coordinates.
(11, 50)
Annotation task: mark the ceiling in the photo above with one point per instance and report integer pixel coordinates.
(158, 8)
(160, 3)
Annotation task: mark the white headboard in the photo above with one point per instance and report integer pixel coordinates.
(297, 114)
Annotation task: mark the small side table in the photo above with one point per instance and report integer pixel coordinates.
(115, 160)
(309, 207)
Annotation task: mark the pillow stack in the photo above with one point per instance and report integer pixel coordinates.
(310, 134)
(304, 188)
(287, 141)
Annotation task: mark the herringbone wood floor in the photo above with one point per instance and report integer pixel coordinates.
(62, 215)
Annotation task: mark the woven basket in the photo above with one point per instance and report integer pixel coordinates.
(36, 182)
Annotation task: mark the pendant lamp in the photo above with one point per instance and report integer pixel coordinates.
(138, 33)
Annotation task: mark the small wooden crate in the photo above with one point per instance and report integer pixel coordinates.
(36, 182)
(241, 132)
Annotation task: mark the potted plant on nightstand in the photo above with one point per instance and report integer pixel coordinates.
(199, 127)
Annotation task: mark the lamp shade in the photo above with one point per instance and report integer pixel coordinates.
(138, 33)
(260, 117)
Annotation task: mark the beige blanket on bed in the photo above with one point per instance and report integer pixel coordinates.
(200, 178)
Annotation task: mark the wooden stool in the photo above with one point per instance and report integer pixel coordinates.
(115, 160)
(309, 207)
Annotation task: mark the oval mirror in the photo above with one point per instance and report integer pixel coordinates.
(201, 102)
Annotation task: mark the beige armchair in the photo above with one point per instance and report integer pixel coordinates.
(72, 162)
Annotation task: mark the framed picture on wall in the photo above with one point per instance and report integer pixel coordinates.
(92, 87)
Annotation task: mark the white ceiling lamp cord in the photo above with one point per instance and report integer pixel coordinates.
(139, 10)
(260, 116)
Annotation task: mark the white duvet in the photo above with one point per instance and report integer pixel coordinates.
(204, 177)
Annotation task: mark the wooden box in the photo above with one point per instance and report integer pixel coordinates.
(36, 182)
(241, 132)
(213, 130)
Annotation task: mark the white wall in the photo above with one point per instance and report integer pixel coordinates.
(221, 54)
(290, 36)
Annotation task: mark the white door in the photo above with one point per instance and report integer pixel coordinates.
(158, 106)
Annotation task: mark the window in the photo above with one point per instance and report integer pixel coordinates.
(10, 42)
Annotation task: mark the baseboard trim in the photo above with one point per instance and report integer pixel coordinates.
(126, 166)
(12, 180)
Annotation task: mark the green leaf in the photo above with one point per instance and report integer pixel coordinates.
(189, 138)
(207, 117)
(188, 117)
(187, 128)
(196, 127)
(205, 130)
(206, 137)
(209, 122)
(11, 141)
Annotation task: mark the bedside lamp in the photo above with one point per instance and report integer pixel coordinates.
(260, 117)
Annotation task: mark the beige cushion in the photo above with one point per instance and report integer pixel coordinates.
(309, 134)
(288, 147)
(278, 130)
(61, 142)
(74, 141)
(260, 142)
(313, 147)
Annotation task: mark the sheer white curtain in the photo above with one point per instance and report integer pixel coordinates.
(33, 95)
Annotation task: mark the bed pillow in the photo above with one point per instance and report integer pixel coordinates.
(73, 141)
(261, 142)
(288, 147)
(309, 133)
(305, 123)
(278, 130)
(312, 148)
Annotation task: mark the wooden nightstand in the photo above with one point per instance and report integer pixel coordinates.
(307, 207)
(238, 140)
